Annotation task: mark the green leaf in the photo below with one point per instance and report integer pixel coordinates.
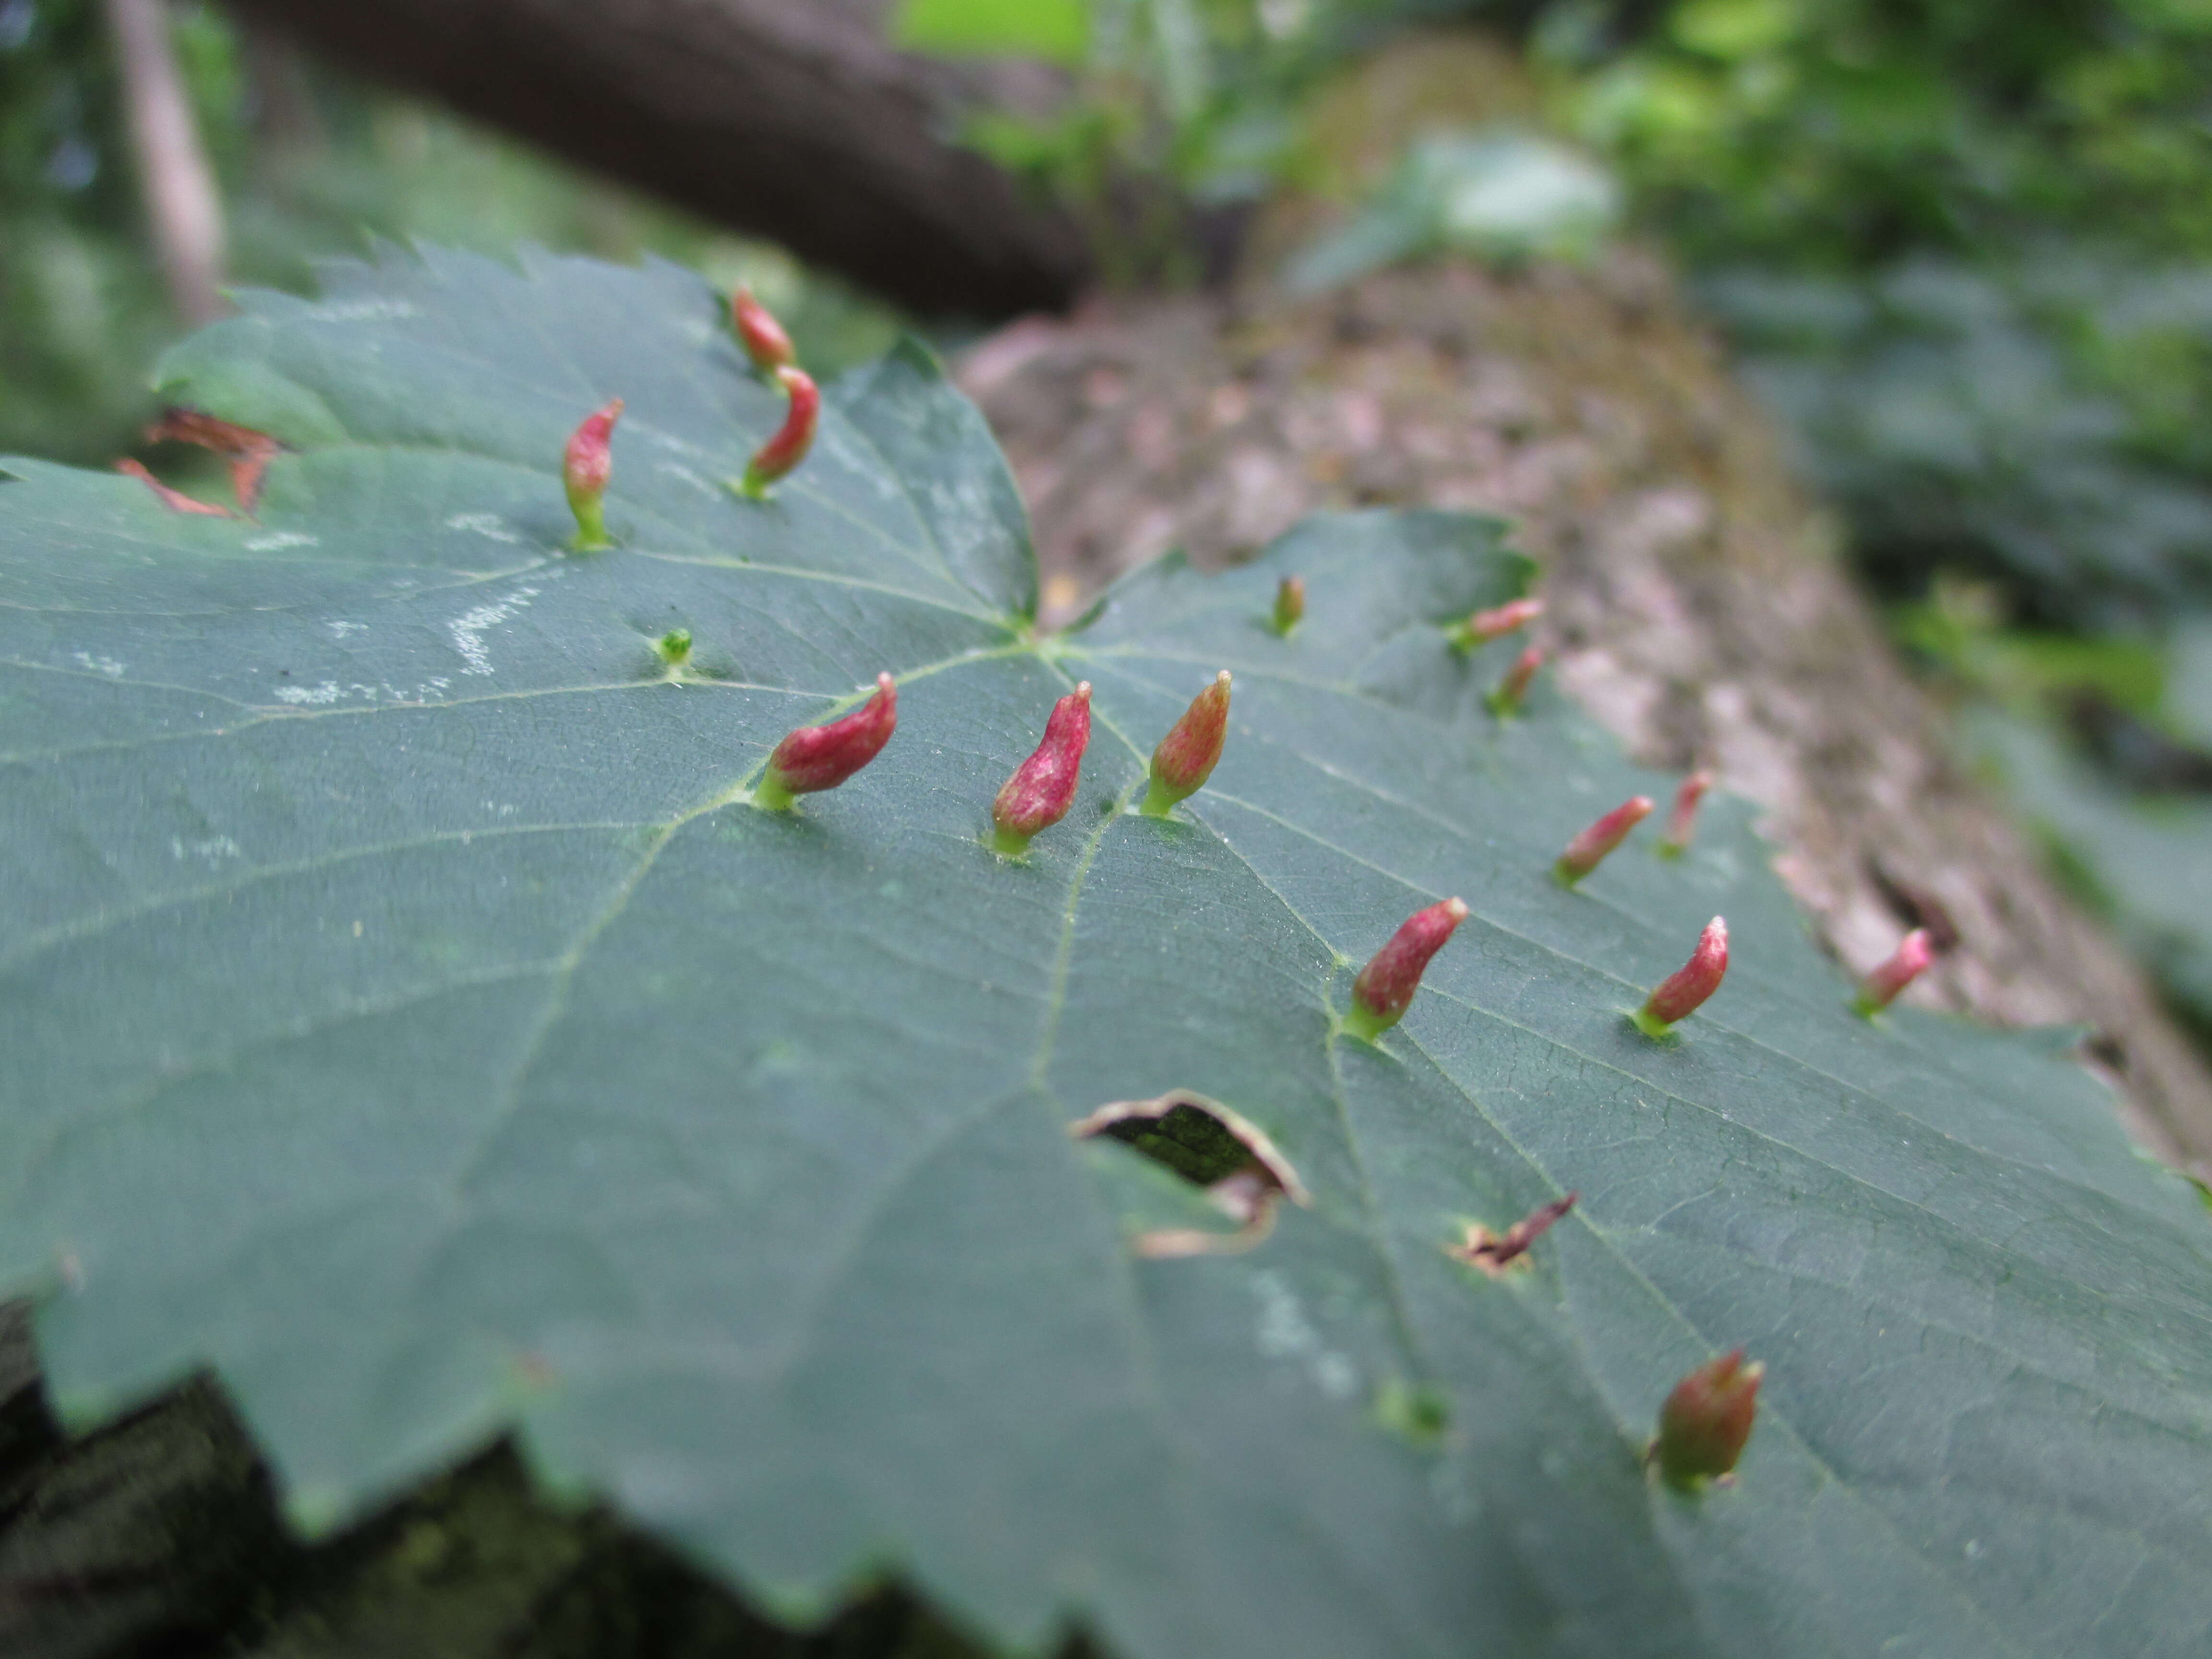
(1058, 31)
(404, 1013)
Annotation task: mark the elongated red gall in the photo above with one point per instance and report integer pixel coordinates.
(1514, 688)
(1290, 603)
(1906, 963)
(1042, 787)
(817, 757)
(1682, 821)
(1385, 988)
(782, 452)
(1705, 1421)
(1495, 624)
(759, 332)
(1188, 755)
(1683, 992)
(585, 465)
(1587, 850)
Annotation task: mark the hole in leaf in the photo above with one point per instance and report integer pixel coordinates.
(1213, 1148)
(1494, 1253)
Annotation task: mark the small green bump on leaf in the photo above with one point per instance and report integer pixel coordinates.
(674, 648)
(1415, 1412)
(1289, 604)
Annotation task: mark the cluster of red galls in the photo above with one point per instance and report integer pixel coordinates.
(1707, 1419)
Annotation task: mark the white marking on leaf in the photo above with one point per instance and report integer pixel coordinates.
(490, 525)
(468, 629)
(327, 692)
(213, 850)
(363, 311)
(106, 666)
(280, 540)
(342, 628)
(1286, 1333)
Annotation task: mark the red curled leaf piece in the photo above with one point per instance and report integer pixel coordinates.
(175, 499)
(1905, 964)
(1385, 988)
(1494, 1255)
(1706, 1421)
(1683, 992)
(248, 452)
(1683, 822)
(585, 465)
(1589, 849)
(1495, 624)
(759, 332)
(1188, 755)
(1042, 787)
(782, 454)
(817, 757)
(1506, 699)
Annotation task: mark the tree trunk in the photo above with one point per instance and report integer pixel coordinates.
(790, 118)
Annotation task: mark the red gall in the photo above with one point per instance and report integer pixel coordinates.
(1683, 822)
(1589, 849)
(1186, 756)
(1705, 1421)
(817, 757)
(248, 452)
(585, 465)
(782, 454)
(1495, 624)
(175, 499)
(1683, 992)
(1385, 988)
(759, 332)
(1507, 698)
(1905, 965)
(1042, 787)
(1289, 604)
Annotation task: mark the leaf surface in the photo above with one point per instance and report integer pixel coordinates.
(405, 1013)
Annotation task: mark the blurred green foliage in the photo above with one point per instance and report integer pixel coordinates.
(310, 166)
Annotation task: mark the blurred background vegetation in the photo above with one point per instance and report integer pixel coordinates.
(1964, 247)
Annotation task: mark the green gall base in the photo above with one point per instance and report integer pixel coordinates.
(1366, 1024)
(1160, 800)
(1503, 706)
(590, 535)
(1657, 1029)
(771, 794)
(752, 487)
(1007, 844)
